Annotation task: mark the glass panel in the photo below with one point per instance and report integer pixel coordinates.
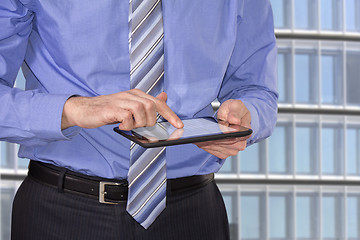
(353, 78)
(6, 197)
(20, 80)
(3, 159)
(332, 216)
(279, 216)
(306, 150)
(279, 148)
(310, 217)
(23, 163)
(353, 217)
(230, 200)
(281, 9)
(284, 76)
(281, 77)
(305, 14)
(331, 14)
(331, 150)
(330, 80)
(327, 10)
(307, 216)
(353, 151)
(250, 159)
(229, 165)
(328, 149)
(252, 217)
(305, 77)
(6, 160)
(352, 15)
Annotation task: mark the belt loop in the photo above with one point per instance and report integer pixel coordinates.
(61, 180)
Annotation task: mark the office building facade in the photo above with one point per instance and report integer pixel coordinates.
(304, 181)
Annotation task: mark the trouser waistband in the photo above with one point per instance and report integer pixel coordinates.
(106, 190)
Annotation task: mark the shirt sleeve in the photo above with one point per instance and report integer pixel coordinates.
(251, 75)
(26, 117)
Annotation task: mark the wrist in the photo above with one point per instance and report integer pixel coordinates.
(69, 106)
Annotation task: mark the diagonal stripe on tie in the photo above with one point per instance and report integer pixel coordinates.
(153, 199)
(145, 35)
(148, 189)
(144, 78)
(153, 208)
(141, 60)
(145, 161)
(143, 13)
(147, 170)
(149, 178)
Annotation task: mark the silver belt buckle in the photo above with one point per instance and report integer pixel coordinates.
(102, 192)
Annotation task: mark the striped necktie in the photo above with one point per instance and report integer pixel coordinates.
(147, 171)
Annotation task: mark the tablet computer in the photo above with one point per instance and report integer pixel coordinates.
(194, 130)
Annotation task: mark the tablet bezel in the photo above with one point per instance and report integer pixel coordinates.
(244, 132)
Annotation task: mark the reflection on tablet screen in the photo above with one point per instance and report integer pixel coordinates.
(192, 128)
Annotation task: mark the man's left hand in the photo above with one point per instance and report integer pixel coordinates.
(234, 112)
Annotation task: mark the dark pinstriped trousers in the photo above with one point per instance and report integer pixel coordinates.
(41, 212)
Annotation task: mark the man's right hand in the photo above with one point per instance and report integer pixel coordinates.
(132, 109)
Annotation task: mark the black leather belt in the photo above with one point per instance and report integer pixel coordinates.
(109, 191)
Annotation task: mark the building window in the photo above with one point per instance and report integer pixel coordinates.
(331, 75)
(6, 197)
(230, 201)
(250, 160)
(253, 220)
(307, 212)
(20, 80)
(353, 213)
(331, 150)
(332, 216)
(3, 160)
(281, 10)
(352, 15)
(8, 157)
(353, 78)
(280, 215)
(306, 149)
(23, 163)
(6, 160)
(280, 151)
(284, 76)
(305, 77)
(331, 15)
(353, 150)
(253, 159)
(329, 78)
(305, 14)
(230, 165)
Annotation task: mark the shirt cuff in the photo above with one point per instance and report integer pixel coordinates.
(71, 132)
(254, 121)
(46, 117)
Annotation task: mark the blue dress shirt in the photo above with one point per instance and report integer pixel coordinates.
(221, 49)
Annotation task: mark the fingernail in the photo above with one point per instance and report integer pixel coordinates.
(180, 124)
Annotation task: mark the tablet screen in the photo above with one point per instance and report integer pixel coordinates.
(194, 130)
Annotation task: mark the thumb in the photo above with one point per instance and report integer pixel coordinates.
(224, 110)
(234, 118)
